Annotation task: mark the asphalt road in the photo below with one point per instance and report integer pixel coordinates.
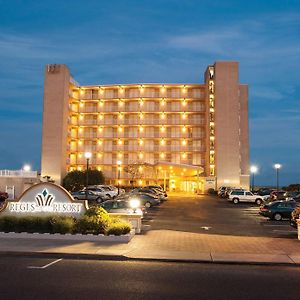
(213, 215)
(34, 278)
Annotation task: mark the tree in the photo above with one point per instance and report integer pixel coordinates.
(76, 180)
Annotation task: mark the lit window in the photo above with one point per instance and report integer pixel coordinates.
(80, 129)
(120, 129)
(121, 90)
(101, 116)
(100, 129)
(80, 142)
(184, 142)
(80, 117)
(141, 89)
(184, 89)
(183, 155)
(79, 168)
(211, 109)
(81, 104)
(163, 89)
(141, 115)
(162, 115)
(80, 155)
(141, 155)
(140, 168)
(120, 142)
(162, 142)
(81, 91)
(99, 168)
(183, 116)
(141, 102)
(162, 129)
(141, 128)
(100, 142)
(184, 103)
(101, 103)
(121, 103)
(141, 142)
(120, 155)
(101, 91)
(212, 137)
(163, 102)
(184, 129)
(99, 155)
(120, 115)
(140, 182)
(162, 155)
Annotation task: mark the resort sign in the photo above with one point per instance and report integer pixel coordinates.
(45, 199)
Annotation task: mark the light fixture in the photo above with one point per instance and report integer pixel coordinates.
(184, 128)
(120, 154)
(162, 142)
(120, 102)
(184, 155)
(80, 117)
(141, 155)
(163, 89)
(100, 129)
(141, 88)
(183, 116)
(100, 142)
(253, 169)
(162, 155)
(141, 142)
(141, 115)
(162, 128)
(162, 102)
(121, 90)
(184, 142)
(141, 102)
(26, 168)
(100, 116)
(162, 115)
(101, 103)
(120, 129)
(87, 155)
(141, 128)
(101, 90)
(120, 142)
(277, 166)
(81, 104)
(184, 102)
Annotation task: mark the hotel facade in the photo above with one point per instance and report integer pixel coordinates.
(186, 137)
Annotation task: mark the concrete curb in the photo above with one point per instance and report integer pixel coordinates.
(108, 257)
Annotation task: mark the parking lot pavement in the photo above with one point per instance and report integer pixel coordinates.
(212, 215)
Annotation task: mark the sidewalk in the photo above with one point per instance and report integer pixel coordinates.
(167, 245)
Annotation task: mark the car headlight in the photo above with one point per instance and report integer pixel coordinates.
(134, 203)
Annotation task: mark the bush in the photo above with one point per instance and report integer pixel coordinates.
(8, 224)
(62, 224)
(118, 228)
(95, 221)
(211, 191)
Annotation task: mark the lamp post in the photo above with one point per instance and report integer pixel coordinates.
(277, 167)
(26, 168)
(87, 155)
(253, 171)
(119, 173)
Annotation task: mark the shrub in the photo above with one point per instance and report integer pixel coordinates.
(118, 227)
(62, 224)
(8, 223)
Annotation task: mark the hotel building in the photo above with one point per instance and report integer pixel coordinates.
(187, 137)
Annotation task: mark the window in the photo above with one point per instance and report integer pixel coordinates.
(249, 194)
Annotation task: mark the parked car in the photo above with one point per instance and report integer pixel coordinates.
(237, 196)
(221, 191)
(122, 206)
(3, 196)
(99, 191)
(147, 200)
(91, 196)
(159, 194)
(294, 216)
(277, 195)
(292, 195)
(278, 210)
(264, 192)
(157, 188)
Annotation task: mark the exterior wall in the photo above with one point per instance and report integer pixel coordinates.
(244, 137)
(227, 124)
(55, 121)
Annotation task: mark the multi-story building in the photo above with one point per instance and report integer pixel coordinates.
(185, 136)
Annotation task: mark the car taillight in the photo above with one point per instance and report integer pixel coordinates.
(264, 209)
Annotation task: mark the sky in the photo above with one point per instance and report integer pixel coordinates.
(167, 41)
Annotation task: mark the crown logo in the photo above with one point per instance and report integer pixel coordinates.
(44, 198)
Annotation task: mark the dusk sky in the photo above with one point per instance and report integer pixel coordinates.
(168, 41)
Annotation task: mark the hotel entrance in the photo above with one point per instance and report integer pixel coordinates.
(180, 178)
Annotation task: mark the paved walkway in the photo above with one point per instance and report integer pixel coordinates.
(171, 245)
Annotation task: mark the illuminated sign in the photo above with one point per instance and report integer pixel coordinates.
(43, 199)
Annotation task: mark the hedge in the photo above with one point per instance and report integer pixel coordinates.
(95, 221)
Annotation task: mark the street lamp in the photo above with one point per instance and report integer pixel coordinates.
(87, 155)
(26, 168)
(119, 173)
(277, 167)
(253, 171)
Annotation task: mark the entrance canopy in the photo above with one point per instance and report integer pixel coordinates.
(180, 170)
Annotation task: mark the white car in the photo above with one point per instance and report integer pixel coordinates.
(244, 196)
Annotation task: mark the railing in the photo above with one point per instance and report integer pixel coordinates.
(18, 173)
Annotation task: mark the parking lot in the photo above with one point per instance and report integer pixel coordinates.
(213, 215)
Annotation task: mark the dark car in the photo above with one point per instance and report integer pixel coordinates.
(147, 200)
(277, 195)
(294, 216)
(91, 196)
(264, 192)
(3, 196)
(278, 210)
(156, 193)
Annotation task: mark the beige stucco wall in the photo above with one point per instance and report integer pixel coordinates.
(227, 124)
(55, 120)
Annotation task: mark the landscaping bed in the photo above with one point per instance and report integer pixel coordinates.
(95, 224)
